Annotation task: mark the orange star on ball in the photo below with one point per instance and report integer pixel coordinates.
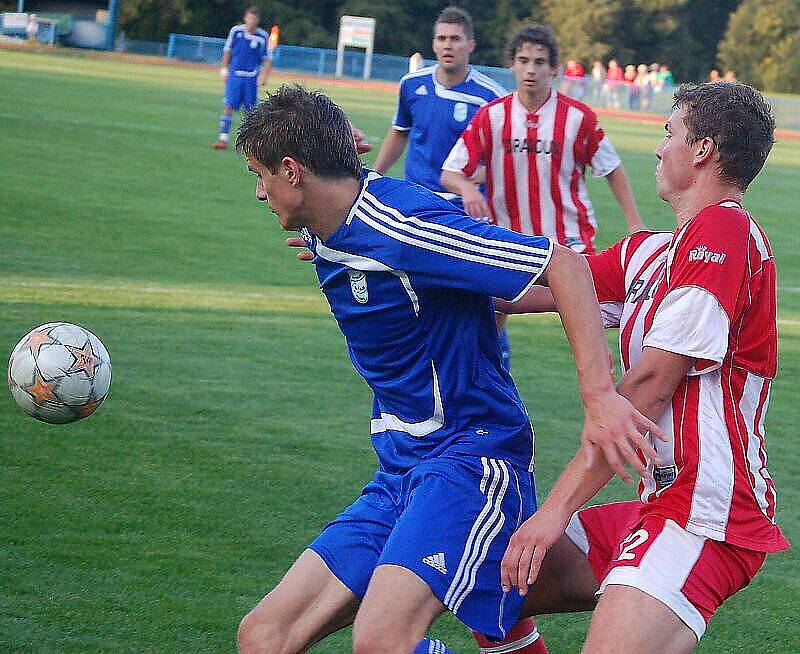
(37, 339)
(85, 359)
(87, 409)
(41, 390)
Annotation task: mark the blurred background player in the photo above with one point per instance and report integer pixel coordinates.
(696, 311)
(246, 64)
(436, 103)
(534, 146)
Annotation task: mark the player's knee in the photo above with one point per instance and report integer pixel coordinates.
(372, 638)
(258, 634)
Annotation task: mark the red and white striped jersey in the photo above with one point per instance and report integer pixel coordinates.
(535, 163)
(707, 292)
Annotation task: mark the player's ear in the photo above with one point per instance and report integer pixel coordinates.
(471, 46)
(292, 170)
(706, 151)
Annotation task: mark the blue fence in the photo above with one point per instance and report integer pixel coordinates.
(316, 61)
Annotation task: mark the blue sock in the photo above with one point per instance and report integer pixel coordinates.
(505, 350)
(225, 121)
(428, 646)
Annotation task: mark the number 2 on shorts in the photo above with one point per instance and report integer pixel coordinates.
(631, 543)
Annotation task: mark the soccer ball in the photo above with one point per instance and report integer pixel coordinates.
(59, 372)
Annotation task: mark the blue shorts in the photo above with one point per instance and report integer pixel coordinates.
(241, 92)
(448, 521)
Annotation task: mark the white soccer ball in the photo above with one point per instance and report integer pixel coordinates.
(59, 372)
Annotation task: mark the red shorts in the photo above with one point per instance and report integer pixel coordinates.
(691, 574)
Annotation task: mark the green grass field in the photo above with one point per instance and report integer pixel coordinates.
(236, 426)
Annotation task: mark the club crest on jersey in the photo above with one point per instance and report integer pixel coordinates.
(358, 286)
(460, 112)
(703, 254)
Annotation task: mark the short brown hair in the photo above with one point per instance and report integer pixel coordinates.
(541, 35)
(253, 9)
(456, 16)
(739, 121)
(305, 125)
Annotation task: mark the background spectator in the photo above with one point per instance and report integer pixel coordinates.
(634, 92)
(666, 78)
(598, 76)
(574, 84)
(642, 83)
(614, 77)
(32, 28)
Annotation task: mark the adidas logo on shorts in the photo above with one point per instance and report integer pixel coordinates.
(436, 561)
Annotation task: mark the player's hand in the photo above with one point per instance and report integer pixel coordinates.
(297, 242)
(475, 204)
(362, 145)
(527, 548)
(223, 73)
(614, 426)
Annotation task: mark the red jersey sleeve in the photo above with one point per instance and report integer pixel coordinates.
(469, 152)
(707, 272)
(608, 274)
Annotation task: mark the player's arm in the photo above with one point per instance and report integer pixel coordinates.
(223, 67)
(226, 55)
(611, 422)
(474, 202)
(649, 386)
(266, 69)
(537, 299)
(621, 188)
(392, 148)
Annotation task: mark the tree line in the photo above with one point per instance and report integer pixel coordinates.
(758, 39)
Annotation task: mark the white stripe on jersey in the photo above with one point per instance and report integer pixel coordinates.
(449, 94)
(713, 488)
(529, 253)
(371, 175)
(487, 82)
(428, 70)
(369, 218)
(749, 405)
(671, 331)
(497, 263)
(358, 262)
(494, 166)
(388, 421)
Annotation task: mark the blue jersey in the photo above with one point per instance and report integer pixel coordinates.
(410, 280)
(247, 50)
(435, 116)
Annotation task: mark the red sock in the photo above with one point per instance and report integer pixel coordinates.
(524, 638)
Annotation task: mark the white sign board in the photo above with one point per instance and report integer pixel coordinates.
(355, 32)
(16, 21)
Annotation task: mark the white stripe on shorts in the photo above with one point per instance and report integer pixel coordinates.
(484, 530)
(577, 534)
(662, 572)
